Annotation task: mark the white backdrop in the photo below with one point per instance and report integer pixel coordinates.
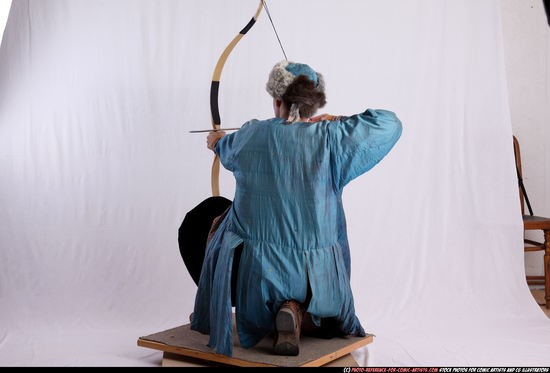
(97, 171)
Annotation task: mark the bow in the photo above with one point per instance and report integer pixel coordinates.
(214, 91)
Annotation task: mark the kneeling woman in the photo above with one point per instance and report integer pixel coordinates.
(287, 223)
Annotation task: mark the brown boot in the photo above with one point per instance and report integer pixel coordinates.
(287, 323)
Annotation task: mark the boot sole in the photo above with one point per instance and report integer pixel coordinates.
(287, 339)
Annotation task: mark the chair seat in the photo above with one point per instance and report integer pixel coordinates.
(535, 222)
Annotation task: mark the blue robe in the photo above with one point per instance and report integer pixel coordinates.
(288, 213)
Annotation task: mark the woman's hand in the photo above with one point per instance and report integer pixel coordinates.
(213, 137)
(323, 117)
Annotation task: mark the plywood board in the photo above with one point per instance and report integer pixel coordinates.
(171, 360)
(313, 351)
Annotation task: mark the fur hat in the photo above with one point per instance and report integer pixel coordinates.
(284, 74)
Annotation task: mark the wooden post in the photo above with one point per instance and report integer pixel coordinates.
(547, 266)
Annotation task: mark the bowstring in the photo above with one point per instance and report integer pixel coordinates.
(274, 29)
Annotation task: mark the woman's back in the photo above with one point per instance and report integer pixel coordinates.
(290, 177)
(285, 193)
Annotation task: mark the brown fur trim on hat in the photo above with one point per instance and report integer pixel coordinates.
(303, 96)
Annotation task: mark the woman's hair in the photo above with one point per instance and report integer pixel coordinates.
(303, 98)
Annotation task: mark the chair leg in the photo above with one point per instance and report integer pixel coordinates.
(547, 266)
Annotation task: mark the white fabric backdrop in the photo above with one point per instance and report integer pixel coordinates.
(98, 169)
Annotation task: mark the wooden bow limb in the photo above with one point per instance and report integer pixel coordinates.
(214, 92)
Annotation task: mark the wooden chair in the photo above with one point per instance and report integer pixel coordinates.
(531, 222)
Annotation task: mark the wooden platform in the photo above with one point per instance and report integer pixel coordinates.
(185, 347)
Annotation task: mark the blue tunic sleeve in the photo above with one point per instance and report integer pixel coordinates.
(229, 146)
(359, 142)
(224, 149)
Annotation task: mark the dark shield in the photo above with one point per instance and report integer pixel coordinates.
(193, 233)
